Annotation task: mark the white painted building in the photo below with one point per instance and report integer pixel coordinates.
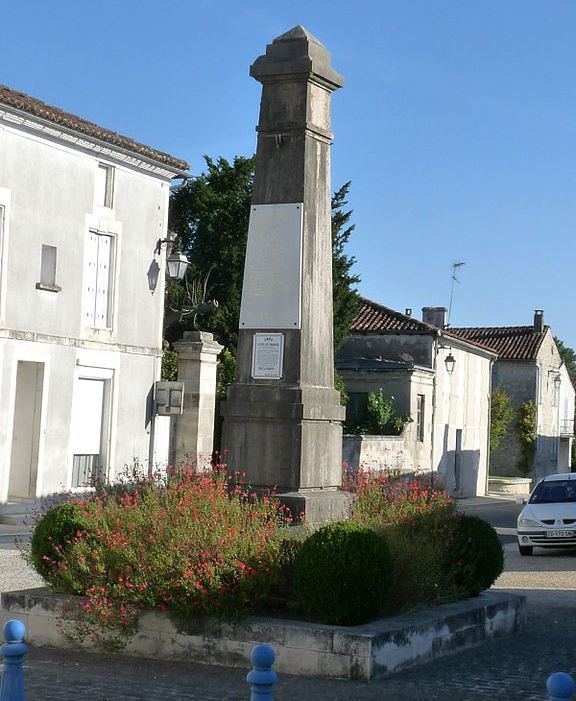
(440, 383)
(81, 296)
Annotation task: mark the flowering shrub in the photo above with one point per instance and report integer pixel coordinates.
(193, 544)
(384, 498)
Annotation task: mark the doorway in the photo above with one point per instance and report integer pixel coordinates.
(88, 431)
(26, 430)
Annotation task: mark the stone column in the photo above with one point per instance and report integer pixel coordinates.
(282, 417)
(198, 359)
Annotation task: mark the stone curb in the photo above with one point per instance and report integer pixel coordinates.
(365, 652)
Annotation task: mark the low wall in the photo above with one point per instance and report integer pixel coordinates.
(377, 453)
(362, 652)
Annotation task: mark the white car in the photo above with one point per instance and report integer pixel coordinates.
(549, 518)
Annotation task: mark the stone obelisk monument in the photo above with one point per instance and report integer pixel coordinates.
(282, 418)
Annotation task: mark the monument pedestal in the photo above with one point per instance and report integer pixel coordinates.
(282, 418)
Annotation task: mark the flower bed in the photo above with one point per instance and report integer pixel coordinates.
(205, 546)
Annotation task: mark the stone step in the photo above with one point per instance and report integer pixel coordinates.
(18, 512)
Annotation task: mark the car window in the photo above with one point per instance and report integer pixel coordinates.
(554, 491)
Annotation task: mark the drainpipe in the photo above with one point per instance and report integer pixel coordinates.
(487, 483)
(433, 431)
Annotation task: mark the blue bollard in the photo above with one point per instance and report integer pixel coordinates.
(12, 652)
(262, 677)
(560, 686)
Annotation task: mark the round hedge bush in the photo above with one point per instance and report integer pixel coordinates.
(474, 555)
(342, 574)
(53, 533)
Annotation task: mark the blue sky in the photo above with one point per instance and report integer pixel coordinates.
(456, 125)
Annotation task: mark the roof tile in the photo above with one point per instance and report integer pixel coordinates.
(37, 108)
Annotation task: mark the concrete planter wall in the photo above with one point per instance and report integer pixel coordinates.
(362, 652)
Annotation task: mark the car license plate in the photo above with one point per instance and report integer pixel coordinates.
(559, 534)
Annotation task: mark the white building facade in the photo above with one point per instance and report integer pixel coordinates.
(440, 384)
(81, 297)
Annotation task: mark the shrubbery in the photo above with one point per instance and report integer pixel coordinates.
(342, 574)
(55, 533)
(196, 545)
(384, 499)
(205, 544)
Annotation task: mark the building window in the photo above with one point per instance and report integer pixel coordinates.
(104, 190)
(98, 280)
(48, 270)
(420, 404)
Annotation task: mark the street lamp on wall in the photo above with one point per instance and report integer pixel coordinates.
(557, 382)
(177, 263)
(450, 362)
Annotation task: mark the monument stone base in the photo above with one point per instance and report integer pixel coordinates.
(318, 506)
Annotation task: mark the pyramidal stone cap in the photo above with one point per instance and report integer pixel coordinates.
(293, 55)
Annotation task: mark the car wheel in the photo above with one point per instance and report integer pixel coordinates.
(525, 549)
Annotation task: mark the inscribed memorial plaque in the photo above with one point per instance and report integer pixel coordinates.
(267, 355)
(271, 293)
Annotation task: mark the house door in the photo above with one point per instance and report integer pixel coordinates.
(458, 462)
(26, 430)
(87, 431)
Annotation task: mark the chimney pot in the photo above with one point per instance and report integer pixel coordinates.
(435, 316)
(538, 320)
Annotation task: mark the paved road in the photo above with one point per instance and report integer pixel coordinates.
(512, 669)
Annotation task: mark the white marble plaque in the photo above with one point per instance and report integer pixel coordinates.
(271, 293)
(267, 355)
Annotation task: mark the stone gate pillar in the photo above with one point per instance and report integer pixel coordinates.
(198, 359)
(282, 417)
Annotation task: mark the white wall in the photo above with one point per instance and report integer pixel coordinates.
(48, 191)
(462, 404)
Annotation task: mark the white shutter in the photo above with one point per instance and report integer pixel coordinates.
(90, 276)
(103, 281)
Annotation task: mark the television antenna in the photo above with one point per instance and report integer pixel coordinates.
(455, 266)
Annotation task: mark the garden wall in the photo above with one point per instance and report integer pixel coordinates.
(377, 453)
(362, 652)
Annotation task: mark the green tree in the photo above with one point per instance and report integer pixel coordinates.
(210, 215)
(527, 433)
(501, 415)
(345, 298)
(568, 357)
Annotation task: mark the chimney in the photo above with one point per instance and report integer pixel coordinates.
(538, 320)
(436, 316)
(408, 311)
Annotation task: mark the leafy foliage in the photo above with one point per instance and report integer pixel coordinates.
(568, 356)
(169, 365)
(54, 534)
(195, 544)
(225, 372)
(379, 418)
(501, 416)
(474, 556)
(342, 574)
(384, 498)
(345, 298)
(340, 386)
(527, 434)
(210, 215)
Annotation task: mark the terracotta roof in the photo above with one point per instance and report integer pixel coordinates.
(509, 342)
(37, 108)
(374, 318)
